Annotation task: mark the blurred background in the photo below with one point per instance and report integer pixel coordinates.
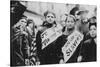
(35, 10)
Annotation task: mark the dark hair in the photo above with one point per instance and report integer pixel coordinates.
(82, 12)
(71, 17)
(90, 24)
(29, 21)
(94, 17)
(24, 17)
(72, 12)
(47, 12)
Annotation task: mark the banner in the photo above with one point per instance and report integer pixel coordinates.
(50, 35)
(71, 45)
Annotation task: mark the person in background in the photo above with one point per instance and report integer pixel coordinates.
(91, 20)
(82, 21)
(74, 9)
(32, 47)
(20, 25)
(63, 18)
(16, 11)
(17, 41)
(30, 27)
(88, 49)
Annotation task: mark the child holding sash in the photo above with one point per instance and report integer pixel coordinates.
(68, 45)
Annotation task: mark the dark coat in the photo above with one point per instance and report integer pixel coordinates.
(47, 55)
(88, 51)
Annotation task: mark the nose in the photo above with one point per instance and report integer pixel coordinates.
(69, 23)
(50, 18)
(92, 32)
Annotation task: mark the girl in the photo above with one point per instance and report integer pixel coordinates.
(88, 51)
(68, 44)
(45, 48)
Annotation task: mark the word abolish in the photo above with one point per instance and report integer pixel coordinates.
(50, 35)
(71, 45)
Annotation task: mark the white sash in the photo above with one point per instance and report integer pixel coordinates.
(50, 35)
(71, 45)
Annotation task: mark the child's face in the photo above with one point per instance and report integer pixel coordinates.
(93, 31)
(50, 18)
(70, 23)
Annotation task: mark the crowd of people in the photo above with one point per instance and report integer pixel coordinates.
(54, 43)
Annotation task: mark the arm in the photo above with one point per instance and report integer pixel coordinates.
(38, 43)
(82, 52)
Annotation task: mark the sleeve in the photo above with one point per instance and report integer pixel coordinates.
(38, 43)
(59, 44)
(82, 51)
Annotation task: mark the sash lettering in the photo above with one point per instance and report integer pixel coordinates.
(50, 35)
(71, 45)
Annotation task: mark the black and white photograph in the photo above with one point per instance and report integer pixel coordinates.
(47, 33)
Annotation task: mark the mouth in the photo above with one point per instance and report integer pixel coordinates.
(50, 20)
(70, 26)
(93, 35)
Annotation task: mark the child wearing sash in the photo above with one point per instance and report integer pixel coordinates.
(46, 54)
(68, 45)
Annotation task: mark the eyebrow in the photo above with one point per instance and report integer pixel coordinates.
(50, 16)
(23, 21)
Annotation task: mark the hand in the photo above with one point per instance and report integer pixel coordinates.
(61, 61)
(26, 61)
(23, 32)
(38, 63)
(79, 59)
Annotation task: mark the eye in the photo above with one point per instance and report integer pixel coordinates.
(52, 17)
(48, 16)
(68, 21)
(23, 21)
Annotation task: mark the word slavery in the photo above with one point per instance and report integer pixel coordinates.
(71, 45)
